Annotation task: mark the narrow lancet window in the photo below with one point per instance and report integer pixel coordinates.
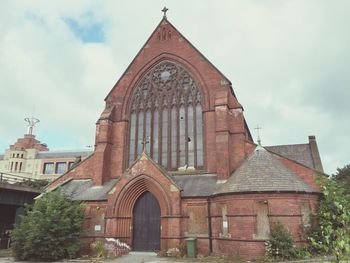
(132, 136)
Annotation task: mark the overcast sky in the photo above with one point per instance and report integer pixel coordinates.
(289, 63)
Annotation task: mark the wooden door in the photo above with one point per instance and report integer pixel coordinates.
(146, 223)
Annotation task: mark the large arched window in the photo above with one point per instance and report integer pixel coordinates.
(166, 117)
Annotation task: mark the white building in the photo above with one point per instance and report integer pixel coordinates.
(30, 158)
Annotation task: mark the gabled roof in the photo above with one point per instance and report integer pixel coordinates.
(166, 21)
(145, 156)
(262, 172)
(198, 185)
(300, 153)
(84, 189)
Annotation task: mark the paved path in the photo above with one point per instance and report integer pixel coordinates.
(150, 257)
(139, 257)
(132, 257)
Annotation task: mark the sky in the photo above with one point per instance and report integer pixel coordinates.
(288, 61)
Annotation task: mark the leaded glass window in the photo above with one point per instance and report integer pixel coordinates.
(166, 117)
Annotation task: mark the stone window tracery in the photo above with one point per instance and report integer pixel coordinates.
(166, 116)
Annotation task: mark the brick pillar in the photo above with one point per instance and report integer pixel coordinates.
(102, 151)
(237, 138)
(222, 136)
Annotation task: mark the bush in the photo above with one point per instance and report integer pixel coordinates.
(50, 230)
(280, 245)
(332, 236)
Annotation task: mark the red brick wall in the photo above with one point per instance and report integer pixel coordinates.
(241, 216)
(178, 215)
(216, 93)
(28, 142)
(224, 134)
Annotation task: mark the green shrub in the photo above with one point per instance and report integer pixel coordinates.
(280, 245)
(50, 230)
(303, 253)
(38, 184)
(332, 235)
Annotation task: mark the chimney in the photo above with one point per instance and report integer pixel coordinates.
(315, 154)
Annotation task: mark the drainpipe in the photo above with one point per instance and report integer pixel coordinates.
(209, 227)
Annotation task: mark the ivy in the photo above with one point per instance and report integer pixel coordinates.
(332, 236)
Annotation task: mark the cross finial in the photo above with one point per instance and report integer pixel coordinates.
(144, 142)
(164, 10)
(258, 128)
(31, 124)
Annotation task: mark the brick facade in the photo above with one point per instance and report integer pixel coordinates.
(227, 144)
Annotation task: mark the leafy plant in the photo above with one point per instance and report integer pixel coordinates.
(50, 230)
(99, 249)
(281, 244)
(303, 253)
(332, 236)
(38, 184)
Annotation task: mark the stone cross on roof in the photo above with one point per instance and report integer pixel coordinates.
(164, 10)
(258, 128)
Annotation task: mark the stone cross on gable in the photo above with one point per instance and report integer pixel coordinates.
(144, 143)
(164, 10)
(258, 128)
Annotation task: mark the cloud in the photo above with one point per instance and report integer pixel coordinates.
(288, 62)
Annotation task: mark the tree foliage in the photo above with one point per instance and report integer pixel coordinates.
(343, 176)
(50, 230)
(332, 235)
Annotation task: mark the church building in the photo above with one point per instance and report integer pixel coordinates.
(174, 158)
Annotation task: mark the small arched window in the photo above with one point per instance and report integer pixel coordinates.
(166, 117)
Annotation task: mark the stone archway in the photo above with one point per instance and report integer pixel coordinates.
(146, 223)
(120, 216)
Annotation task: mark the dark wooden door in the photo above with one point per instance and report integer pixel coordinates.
(146, 223)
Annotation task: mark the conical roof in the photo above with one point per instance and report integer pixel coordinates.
(262, 172)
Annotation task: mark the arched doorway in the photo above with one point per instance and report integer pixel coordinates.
(146, 223)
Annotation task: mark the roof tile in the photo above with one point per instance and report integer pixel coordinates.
(262, 172)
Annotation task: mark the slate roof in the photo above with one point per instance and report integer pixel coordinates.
(262, 172)
(196, 185)
(84, 190)
(300, 153)
(64, 154)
